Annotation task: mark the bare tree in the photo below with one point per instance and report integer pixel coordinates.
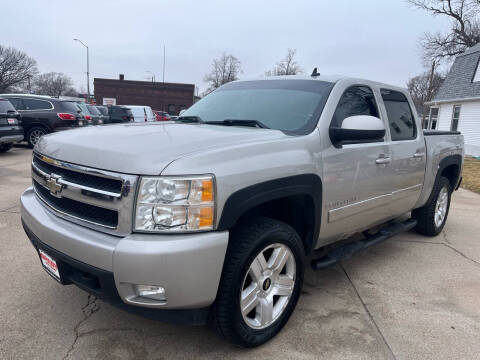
(423, 87)
(15, 67)
(464, 31)
(224, 69)
(287, 66)
(53, 84)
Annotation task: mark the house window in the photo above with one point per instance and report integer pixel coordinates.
(431, 122)
(455, 117)
(476, 77)
(171, 109)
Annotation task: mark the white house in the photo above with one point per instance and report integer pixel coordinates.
(456, 105)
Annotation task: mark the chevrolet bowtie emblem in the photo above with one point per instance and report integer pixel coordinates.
(54, 186)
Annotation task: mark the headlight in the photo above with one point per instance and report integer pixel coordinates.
(175, 204)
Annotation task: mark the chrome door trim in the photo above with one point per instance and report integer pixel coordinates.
(355, 208)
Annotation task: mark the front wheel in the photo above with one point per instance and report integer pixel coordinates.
(34, 134)
(261, 282)
(5, 147)
(432, 216)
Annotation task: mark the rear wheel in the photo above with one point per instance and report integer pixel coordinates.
(34, 134)
(433, 215)
(5, 147)
(261, 282)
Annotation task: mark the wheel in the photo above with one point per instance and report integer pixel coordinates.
(432, 216)
(261, 282)
(5, 147)
(34, 134)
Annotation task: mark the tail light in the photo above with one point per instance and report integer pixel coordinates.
(125, 118)
(88, 118)
(66, 116)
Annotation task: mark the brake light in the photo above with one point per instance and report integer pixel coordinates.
(88, 118)
(66, 116)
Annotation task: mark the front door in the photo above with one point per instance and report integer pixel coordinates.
(356, 185)
(407, 150)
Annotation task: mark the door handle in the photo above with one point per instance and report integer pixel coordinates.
(418, 154)
(383, 160)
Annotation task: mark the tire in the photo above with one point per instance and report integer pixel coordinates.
(5, 147)
(271, 238)
(34, 134)
(427, 222)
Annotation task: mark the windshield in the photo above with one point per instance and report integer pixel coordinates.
(287, 105)
(70, 107)
(83, 107)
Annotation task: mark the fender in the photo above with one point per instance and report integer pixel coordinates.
(444, 163)
(247, 198)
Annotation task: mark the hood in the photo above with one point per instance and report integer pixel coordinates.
(145, 148)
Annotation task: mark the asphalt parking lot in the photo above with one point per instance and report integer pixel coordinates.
(411, 297)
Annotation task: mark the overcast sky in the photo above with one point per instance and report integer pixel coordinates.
(374, 39)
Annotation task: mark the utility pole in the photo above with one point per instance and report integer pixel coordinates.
(163, 80)
(88, 70)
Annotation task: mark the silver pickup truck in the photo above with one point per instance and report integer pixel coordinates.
(213, 217)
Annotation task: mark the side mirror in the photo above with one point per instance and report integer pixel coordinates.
(358, 129)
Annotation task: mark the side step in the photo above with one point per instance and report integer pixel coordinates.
(349, 249)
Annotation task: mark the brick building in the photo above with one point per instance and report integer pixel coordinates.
(170, 97)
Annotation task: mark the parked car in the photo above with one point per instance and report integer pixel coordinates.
(142, 113)
(11, 130)
(44, 114)
(212, 219)
(90, 113)
(119, 114)
(104, 111)
(161, 115)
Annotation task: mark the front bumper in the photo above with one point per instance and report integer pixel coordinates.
(188, 266)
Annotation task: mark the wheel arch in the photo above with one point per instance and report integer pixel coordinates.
(295, 200)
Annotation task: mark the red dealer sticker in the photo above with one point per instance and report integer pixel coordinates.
(49, 264)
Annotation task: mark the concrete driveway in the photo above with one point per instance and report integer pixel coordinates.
(411, 297)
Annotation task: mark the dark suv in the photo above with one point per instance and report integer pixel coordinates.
(10, 129)
(119, 114)
(43, 114)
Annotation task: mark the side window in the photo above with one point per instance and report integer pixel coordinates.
(356, 100)
(34, 104)
(17, 103)
(400, 116)
(455, 117)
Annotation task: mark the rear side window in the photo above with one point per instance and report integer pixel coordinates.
(400, 116)
(70, 107)
(17, 103)
(34, 104)
(102, 110)
(356, 100)
(5, 106)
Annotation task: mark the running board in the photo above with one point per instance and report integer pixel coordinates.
(349, 249)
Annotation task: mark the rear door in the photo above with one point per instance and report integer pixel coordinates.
(407, 150)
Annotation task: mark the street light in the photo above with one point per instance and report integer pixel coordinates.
(88, 69)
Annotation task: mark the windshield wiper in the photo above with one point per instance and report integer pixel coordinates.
(190, 119)
(238, 122)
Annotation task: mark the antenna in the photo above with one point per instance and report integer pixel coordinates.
(315, 73)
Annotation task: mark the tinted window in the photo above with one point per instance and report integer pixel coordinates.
(17, 103)
(5, 106)
(400, 116)
(356, 100)
(288, 105)
(34, 104)
(70, 107)
(93, 110)
(103, 110)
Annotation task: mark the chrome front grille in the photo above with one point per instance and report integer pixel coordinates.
(94, 198)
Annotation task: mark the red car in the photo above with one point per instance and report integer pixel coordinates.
(161, 115)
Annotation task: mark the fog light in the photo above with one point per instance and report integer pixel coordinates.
(151, 292)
